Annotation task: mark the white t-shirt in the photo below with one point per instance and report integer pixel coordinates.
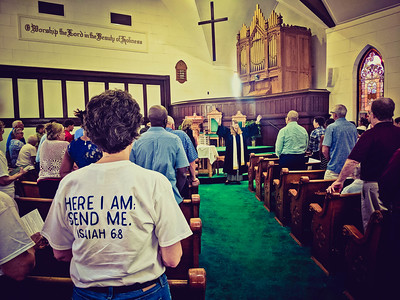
(13, 238)
(114, 216)
(9, 188)
(25, 154)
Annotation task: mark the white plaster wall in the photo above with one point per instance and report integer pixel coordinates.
(169, 41)
(345, 45)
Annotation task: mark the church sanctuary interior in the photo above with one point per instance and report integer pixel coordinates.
(210, 61)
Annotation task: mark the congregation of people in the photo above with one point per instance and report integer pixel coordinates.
(108, 158)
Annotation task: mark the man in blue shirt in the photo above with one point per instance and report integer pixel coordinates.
(190, 151)
(340, 138)
(161, 151)
(291, 143)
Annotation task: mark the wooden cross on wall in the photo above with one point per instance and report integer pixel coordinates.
(212, 22)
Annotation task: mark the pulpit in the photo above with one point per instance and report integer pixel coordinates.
(214, 117)
(240, 118)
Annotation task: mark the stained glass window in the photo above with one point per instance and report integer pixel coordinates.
(371, 75)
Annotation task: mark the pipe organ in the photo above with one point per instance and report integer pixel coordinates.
(273, 57)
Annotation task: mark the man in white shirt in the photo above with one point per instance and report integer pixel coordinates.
(27, 154)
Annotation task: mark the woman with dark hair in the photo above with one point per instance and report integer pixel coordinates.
(117, 223)
(51, 154)
(80, 152)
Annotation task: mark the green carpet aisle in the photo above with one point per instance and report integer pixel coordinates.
(248, 255)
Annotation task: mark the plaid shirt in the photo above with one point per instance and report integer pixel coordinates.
(315, 138)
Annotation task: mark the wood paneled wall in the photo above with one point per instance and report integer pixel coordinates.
(273, 108)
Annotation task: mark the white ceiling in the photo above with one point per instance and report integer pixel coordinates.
(190, 12)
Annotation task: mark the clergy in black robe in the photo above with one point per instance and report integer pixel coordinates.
(236, 153)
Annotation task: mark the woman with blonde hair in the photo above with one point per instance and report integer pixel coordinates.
(51, 155)
(186, 126)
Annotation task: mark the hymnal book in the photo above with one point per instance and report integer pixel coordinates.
(32, 222)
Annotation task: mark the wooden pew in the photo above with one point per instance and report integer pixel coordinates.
(260, 168)
(364, 255)
(251, 164)
(60, 288)
(187, 280)
(307, 192)
(288, 180)
(327, 248)
(27, 204)
(27, 189)
(191, 250)
(269, 175)
(191, 207)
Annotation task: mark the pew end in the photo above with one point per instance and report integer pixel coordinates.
(191, 207)
(328, 242)
(366, 256)
(194, 287)
(262, 166)
(290, 179)
(191, 248)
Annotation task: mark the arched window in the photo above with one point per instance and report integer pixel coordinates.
(370, 79)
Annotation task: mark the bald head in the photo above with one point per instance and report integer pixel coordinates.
(292, 116)
(158, 116)
(170, 122)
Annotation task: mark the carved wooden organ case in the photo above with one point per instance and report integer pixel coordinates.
(273, 57)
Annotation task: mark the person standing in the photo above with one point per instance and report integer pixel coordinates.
(339, 139)
(236, 153)
(69, 126)
(15, 124)
(135, 225)
(15, 145)
(162, 151)
(291, 143)
(7, 180)
(315, 137)
(17, 253)
(191, 155)
(51, 155)
(373, 150)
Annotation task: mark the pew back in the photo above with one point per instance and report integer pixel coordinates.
(27, 204)
(288, 180)
(307, 192)
(253, 160)
(27, 189)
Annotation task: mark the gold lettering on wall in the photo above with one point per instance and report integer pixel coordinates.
(79, 34)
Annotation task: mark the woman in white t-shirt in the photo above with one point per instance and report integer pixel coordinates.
(51, 154)
(117, 223)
